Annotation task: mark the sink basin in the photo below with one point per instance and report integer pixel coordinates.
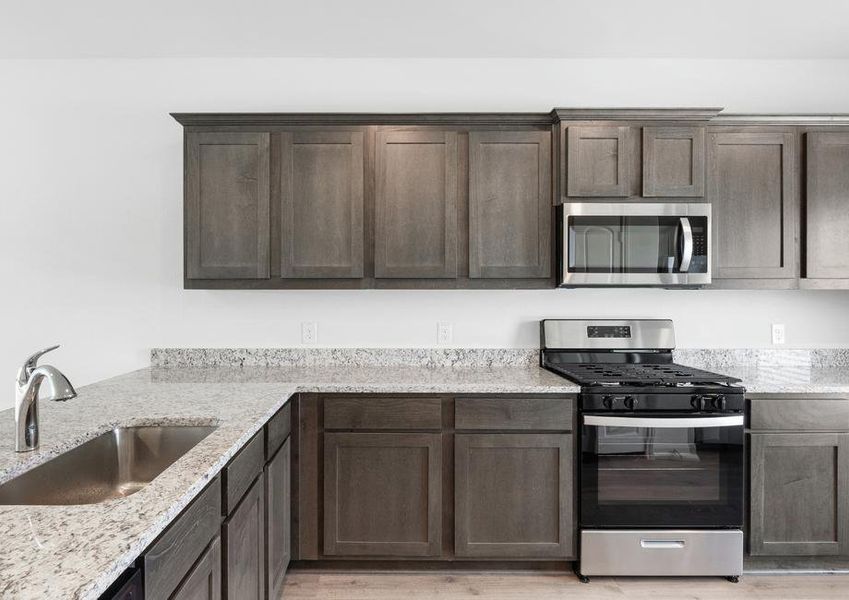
(115, 464)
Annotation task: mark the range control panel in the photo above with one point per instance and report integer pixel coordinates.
(608, 331)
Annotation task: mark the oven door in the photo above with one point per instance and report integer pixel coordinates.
(672, 471)
(646, 244)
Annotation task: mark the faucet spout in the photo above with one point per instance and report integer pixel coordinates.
(29, 384)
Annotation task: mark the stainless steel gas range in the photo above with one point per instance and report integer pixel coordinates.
(661, 451)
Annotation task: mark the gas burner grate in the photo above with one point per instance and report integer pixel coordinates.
(638, 374)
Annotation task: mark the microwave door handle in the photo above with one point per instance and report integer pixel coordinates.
(664, 423)
(687, 253)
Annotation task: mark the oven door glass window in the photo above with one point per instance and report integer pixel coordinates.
(639, 244)
(661, 477)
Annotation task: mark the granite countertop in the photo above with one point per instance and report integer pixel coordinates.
(791, 379)
(77, 551)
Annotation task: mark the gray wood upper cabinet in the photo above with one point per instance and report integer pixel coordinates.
(513, 496)
(204, 580)
(598, 161)
(828, 205)
(673, 161)
(799, 494)
(321, 194)
(227, 205)
(244, 547)
(416, 204)
(509, 204)
(752, 188)
(278, 530)
(382, 494)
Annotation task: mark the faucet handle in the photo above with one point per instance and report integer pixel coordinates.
(31, 362)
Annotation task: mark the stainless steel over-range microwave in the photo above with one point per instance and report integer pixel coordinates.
(633, 244)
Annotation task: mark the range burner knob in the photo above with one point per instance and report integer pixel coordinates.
(630, 402)
(607, 402)
(718, 402)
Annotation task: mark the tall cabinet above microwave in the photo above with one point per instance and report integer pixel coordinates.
(633, 244)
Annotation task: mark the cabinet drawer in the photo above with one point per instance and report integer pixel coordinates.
(277, 430)
(551, 414)
(799, 414)
(240, 473)
(383, 413)
(172, 555)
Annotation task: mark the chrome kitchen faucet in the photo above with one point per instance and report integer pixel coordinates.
(28, 384)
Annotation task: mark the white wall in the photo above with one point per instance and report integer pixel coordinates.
(90, 204)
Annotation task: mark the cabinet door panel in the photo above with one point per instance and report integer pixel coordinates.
(416, 204)
(321, 189)
(278, 494)
(382, 494)
(509, 204)
(800, 494)
(204, 580)
(673, 161)
(227, 205)
(752, 190)
(513, 496)
(244, 547)
(828, 205)
(598, 161)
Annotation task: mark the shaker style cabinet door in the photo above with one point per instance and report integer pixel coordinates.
(204, 580)
(598, 161)
(752, 189)
(513, 496)
(510, 204)
(227, 186)
(673, 162)
(415, 204)
(278, 529)
(800, 494)
(382, 494)
(828, 205)
(321, 192)
(244, 547)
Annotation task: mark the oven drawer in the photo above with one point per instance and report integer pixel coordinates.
(662, 552)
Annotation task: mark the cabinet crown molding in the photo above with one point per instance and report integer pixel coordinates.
(291, 119)
(634, 114)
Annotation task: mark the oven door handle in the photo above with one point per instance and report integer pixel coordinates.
(665, 423)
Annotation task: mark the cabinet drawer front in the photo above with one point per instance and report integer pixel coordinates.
(547, 414)
(173, 554)
(800, 414)
(277, 430)
(242, 470)
(383, 413)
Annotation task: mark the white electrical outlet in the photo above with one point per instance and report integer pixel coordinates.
(444, 333)
(778, 333)
(309, 332)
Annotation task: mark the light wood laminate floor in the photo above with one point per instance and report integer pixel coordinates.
(302, 585)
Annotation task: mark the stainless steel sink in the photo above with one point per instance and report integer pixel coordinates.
(115, 464)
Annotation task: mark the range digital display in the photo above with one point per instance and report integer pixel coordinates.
(608, 331)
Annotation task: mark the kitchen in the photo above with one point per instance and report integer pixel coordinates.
(317, 295)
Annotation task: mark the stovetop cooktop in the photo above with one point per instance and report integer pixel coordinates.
(588, 374)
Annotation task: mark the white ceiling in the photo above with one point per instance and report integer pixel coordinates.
(778, 29)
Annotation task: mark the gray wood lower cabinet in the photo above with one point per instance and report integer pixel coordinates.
(416, 204)
(278, 495)
(227, 205)
(382, 494)
(752, 188)
(243, 536)
(510, 204)
(513, 495)
(828, 205)
(799, 494)
(204, 580)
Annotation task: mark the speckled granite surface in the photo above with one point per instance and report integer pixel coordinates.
(344, 357)
(77, 551)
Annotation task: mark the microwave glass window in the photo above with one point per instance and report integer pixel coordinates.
(638, 244)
